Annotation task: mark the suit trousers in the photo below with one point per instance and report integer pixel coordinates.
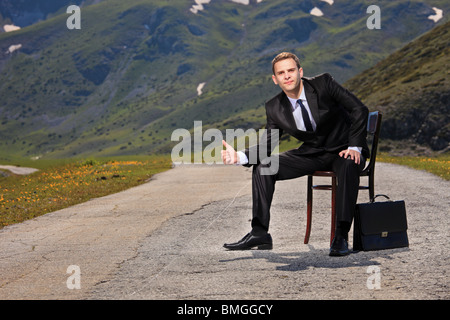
(294, 164)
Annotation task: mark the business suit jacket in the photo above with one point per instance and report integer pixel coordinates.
(341, 120)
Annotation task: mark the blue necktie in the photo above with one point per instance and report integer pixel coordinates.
(305, 115)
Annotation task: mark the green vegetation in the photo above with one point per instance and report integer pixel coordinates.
(128, 78)
(439, 165)
(63, 183)
(411, 88)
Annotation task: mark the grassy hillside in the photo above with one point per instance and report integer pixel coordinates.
(129, 77)
(412, 89)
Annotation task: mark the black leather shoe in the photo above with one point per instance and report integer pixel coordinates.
(250, 241)
(339, 247)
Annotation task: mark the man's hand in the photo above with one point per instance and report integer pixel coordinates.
(229, 155)
(353, 154)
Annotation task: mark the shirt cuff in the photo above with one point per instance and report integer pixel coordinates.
(359, 149)
(242, 158)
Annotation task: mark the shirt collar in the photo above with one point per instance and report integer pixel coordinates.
(294, 101)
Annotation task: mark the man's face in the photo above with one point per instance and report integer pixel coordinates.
(288, 77)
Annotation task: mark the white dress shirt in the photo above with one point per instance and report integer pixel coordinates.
(297, 112)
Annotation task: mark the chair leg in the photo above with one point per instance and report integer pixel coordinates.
(371, 187)
(308, 210)
(333, 208)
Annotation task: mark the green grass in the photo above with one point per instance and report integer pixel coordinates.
(439, 165)
(63, 183)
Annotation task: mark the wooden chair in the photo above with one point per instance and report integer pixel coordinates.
(373, 130)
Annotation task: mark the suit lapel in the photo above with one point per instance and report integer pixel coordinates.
(311, 97)
(287, 110)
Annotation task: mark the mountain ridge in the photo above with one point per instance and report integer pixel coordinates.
(129, 77)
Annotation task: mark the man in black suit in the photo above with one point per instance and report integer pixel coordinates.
(331, 122)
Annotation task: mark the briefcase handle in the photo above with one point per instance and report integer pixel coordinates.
(379, 195)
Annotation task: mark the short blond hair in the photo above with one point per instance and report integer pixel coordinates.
(283, 56)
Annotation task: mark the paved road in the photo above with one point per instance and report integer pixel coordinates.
(19, 170)
(163, 240)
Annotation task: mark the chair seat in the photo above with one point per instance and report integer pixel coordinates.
(324, 174)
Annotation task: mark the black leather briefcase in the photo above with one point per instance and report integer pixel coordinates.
(380, 225)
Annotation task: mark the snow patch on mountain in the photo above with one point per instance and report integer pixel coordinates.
(198, 6)
(200, 88)
(437, 16)
(316, 12)
(13, 48)
(10, 27)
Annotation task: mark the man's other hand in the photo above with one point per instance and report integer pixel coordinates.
(229, 155)
(353, 154)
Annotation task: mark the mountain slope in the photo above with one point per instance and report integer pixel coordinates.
(129, 77)
(412, 89)
(24, 13)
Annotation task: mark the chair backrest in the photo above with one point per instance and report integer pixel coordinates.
(373, 133)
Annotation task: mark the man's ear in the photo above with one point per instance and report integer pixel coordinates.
(274, 80)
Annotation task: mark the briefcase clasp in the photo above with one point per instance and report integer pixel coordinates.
(384, 234)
